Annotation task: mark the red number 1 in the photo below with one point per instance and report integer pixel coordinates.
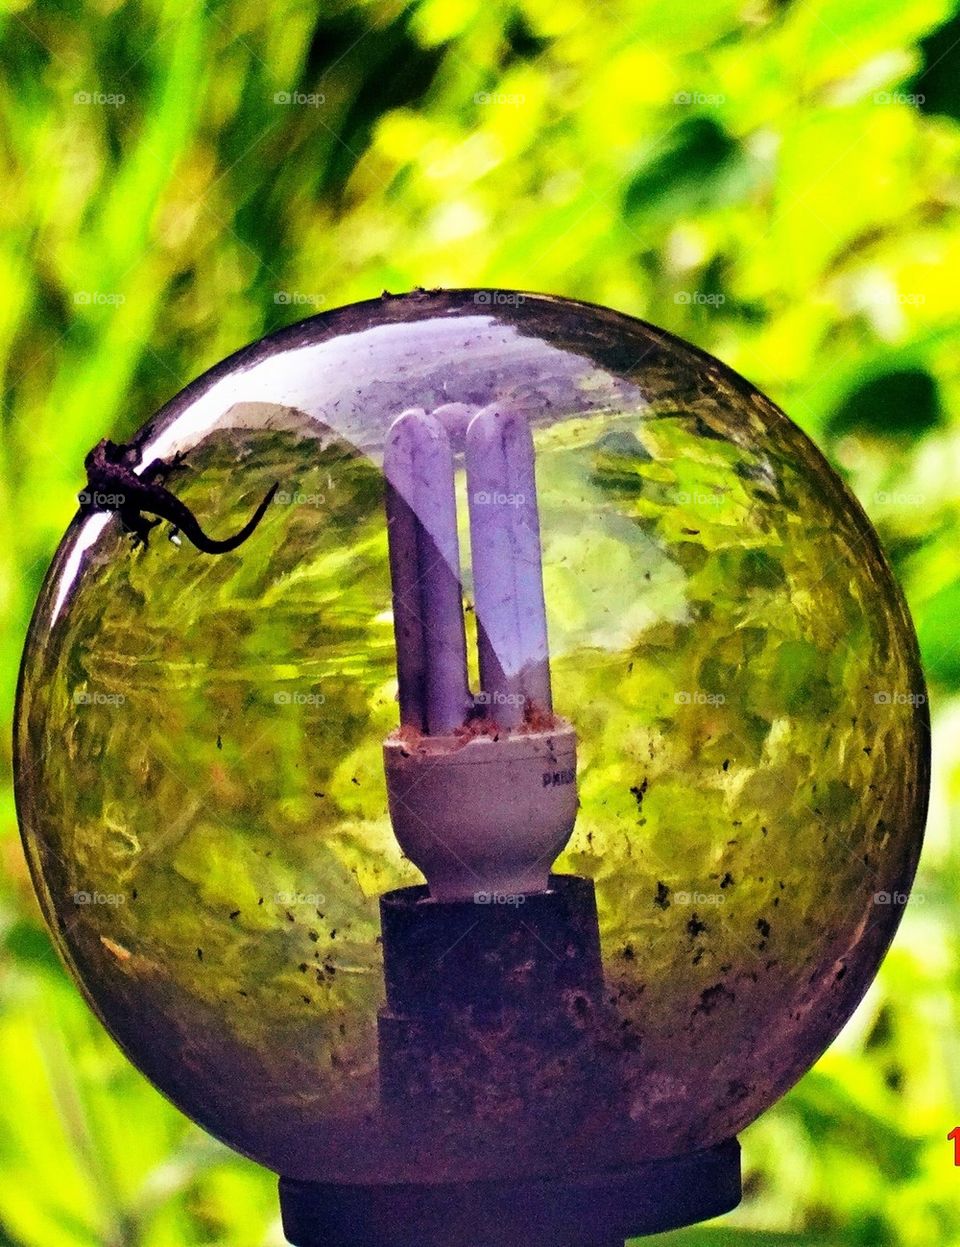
(955, 1135)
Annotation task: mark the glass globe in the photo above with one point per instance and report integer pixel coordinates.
(200, 738)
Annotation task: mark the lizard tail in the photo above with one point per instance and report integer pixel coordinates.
(209, 545)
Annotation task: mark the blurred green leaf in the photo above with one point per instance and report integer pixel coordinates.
(695, 168)
(902, 403)
(939, 637)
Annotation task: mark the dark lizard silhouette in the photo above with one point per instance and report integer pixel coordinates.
(113, 485)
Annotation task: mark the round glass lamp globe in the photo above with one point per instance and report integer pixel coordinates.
(200, 764)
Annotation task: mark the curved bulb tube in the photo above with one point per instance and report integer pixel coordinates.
(481, 812)
(425, 572)
(507, 570)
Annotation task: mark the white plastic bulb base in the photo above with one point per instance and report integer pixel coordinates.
(483, 817)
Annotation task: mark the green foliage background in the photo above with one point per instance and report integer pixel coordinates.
(778, 182)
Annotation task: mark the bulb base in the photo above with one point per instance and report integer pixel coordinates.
(483, 817)
(590, 1210)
